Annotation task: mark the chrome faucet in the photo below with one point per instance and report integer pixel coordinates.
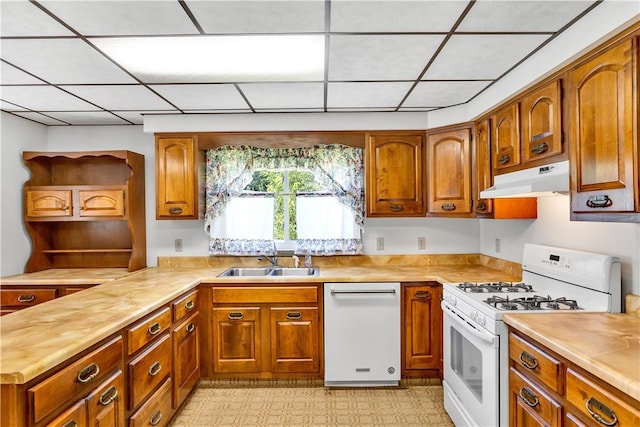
(272, 259)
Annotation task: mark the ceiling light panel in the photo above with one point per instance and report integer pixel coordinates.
(119, 97)
(366, 95)
(219, 58)
(228, 17)
(481, 56)
(521, 16)
(443, 94)
(88, 118)
(378, 57)
(203, 96)
(284, 95)
(21, 18)
(394, 16)
(44, 98)
(60, 61)
(123, 17)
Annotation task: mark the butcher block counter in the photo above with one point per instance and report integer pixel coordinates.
(603, 344)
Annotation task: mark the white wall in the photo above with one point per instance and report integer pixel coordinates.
(17, 135)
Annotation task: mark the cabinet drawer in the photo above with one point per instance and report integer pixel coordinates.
(595, 402)
(72, 380)
(25, 297)
(76, 416)
(149, 369)
(538, 364)
(157, 411)
(258, 295)
(532, 399)
(147, 329)
(185, 306)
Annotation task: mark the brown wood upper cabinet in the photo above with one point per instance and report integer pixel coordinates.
(541, 123)
(395, 173)
(176, 177)
(482, 167)
(603, 102)
(449, 168)
(506, 137)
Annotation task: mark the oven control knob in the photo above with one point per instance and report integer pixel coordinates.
(481, 319)
(452, 300)
(473, 315)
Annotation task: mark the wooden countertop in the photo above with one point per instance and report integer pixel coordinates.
(604, 344)
(66, 276)
(38, 338)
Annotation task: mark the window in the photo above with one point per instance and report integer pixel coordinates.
(309, 199)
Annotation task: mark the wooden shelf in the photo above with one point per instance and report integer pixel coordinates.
(80, 251)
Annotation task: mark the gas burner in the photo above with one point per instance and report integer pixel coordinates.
(535, 302)
(495, 287)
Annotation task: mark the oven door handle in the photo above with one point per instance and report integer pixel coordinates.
(459, 320)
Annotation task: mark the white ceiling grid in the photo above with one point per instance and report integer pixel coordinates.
(380, 55)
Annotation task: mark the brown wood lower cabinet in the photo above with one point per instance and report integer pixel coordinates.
(17, 297)
(186, 358)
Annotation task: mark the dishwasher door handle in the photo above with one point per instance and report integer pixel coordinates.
(364, 291)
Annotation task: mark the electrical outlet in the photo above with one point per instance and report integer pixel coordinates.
(380, 243)
(497, 246)
(422, 243)
(178, 245)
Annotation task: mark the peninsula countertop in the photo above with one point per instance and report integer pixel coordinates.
(604, 344)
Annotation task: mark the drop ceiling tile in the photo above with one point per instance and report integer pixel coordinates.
(227, 17)
(366, 95)
(521, 16)
(284, 95)
(481, 56)
(377, 57)
(41, 118)
(203, 96)
(289, 110)
(358, 109)
(123, 17)
(8, 106)
(88, 118)
(443, 94)
(21, 18)
(62, 61)
(137, 117)
(44, 98)
(120, 97)
(10, 75)
(394, 16)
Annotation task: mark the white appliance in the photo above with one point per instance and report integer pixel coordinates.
(533, 182)
(361, 334)
(476, 356)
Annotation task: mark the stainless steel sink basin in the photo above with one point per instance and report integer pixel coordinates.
(269, 271)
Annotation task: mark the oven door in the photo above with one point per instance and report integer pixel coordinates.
(471, 377)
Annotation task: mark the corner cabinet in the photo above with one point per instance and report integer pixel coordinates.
(395, 174)
(85, 209)
(176, 177)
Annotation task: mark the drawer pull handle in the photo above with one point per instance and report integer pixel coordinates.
(26, 297)
(89, 373)
(155, 418)
(504, 159)
(597, 405)
(175, 211)
(599, 202)
(294, 315)
(155, 369)
(190, 328)
(154, 329)
(396, 208)
(108, 396)
(528, 361)
(449, 207)
(189, 305)
(539, 148)
(70, 423)
(423, 294)
(235, 315)
(529, 397)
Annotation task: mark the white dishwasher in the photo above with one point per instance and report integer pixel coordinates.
(361, 334)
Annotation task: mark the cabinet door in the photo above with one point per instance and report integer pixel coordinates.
(97, 203)
(483, 176)
(602, 132)
(75, 416)
(176, 179)
(422, 327)
(106, 403)
(541, 123)
(529, 405)
(186, 358)
(395, 183)
(237, 343)
(48, 203)
(294, 339)
(506, 137)
(449, 166)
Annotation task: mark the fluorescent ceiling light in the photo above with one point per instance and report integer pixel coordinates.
(219, 58)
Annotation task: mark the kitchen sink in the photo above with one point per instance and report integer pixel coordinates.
(269, 271)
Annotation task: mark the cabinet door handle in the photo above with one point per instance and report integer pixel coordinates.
(396, 208)
(539, 148)
(423, 294)
(89, 373)
(529, 397)
(154, 329)
(189, 305)
(235, 315)
(449, 207)
(504, 159)
(608, 412)
(482, 206)
(599, 202)
(155, 418)
(528, 361)
(155, 369)
(70, 423)
(190, 328)
(175, 211)
(294, 315)
(26, 297)
(108, 396)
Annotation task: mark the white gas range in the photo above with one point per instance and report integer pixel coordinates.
(475, 338)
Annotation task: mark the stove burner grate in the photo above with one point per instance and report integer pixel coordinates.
(495, 287)
(535, 302)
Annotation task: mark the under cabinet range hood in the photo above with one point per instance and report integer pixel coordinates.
(534, 182)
